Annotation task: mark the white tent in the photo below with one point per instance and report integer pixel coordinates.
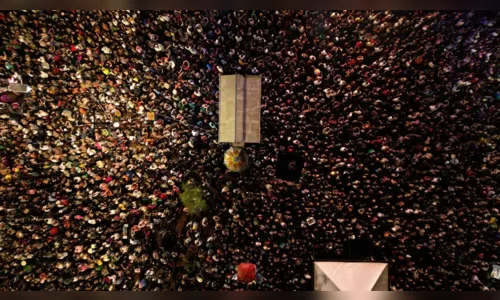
(351, 276)
(239, 108)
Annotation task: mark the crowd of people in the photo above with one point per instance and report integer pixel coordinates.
(394, 114)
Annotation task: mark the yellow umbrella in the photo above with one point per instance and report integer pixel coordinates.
(235, 159)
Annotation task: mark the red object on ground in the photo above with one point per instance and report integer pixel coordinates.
(54, 231)
(247, 272)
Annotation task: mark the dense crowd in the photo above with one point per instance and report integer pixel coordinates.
(395, 115)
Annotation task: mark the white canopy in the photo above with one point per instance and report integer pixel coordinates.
(351, 276)
(239, 108)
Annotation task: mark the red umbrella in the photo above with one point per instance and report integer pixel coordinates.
(247, 272)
